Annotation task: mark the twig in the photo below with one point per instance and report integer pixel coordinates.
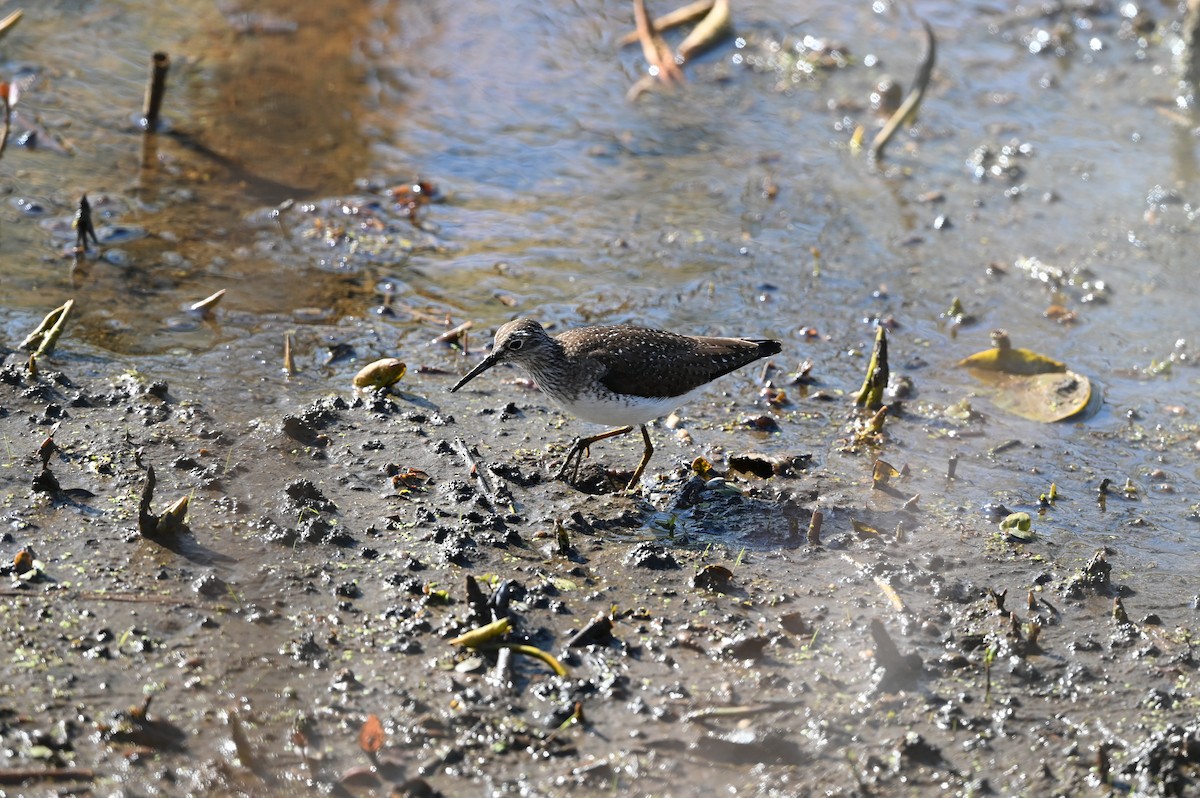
(814, 528)
(22, 775)
(47, 333)
(656, 51)
(677, 17)
(494, 497)
(891, 593)
(912, 102)
(52, 335)
(7, 119)
(449, 336)
(289, 360)
(160, 64)
(124, 598)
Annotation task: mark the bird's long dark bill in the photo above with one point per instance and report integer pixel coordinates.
(486, 364)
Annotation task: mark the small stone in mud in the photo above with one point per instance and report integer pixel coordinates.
(345, 680)
(713, 577)
(794, 623)
(652, 556)
(210, 586)
(745, 647)
(349, 590)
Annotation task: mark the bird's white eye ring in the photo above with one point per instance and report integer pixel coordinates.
(515, 344)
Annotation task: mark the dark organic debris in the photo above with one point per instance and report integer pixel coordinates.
(134, 726)
(1167, 763)
(652, 556)
(597, 630)
(167, 526)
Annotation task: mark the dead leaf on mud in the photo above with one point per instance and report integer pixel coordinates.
(371, 736)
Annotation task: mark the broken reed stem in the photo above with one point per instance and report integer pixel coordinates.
(289, 360)
(48, 332)
(7, 123)
(160, 64)
(50, 339)
(454, 334)
(814, 528)
(870, 395)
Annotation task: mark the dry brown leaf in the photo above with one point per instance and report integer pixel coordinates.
(371, 736)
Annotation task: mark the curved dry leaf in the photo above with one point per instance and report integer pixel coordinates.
(908, 109)
(679, 16)
(1013, 361)
(381, 374)
(483, 634)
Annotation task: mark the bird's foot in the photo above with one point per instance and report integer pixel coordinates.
(572, 462)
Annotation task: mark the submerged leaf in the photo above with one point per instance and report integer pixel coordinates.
(1039, 397)
(1029, 384)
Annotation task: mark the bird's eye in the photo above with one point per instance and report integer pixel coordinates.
(515, 344)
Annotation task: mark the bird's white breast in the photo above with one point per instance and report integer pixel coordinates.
(622, 410)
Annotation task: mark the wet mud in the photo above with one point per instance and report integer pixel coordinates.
(709, 638)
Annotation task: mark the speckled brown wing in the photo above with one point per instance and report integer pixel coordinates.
(671, 364)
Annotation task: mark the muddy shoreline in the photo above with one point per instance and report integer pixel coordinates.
(723, 651)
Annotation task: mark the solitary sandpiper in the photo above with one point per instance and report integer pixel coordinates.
(617, 374)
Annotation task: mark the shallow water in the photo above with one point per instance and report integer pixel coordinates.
(703, 210)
